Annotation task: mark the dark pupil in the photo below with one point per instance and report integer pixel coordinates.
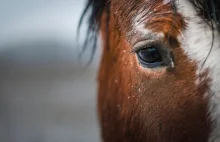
(149, 55)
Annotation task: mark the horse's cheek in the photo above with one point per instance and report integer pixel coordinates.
(159, 105)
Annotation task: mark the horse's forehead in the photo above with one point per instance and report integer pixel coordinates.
(147, 18)
(142, 1)
(132, 6)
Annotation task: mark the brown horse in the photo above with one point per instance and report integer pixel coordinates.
(159, 78)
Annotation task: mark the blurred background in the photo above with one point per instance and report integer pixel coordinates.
(46, 93)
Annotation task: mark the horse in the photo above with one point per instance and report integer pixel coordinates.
(158, 79)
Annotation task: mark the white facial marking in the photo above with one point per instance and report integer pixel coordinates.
(140, 31)
(138, 24)
(196, 41)
(166, 1)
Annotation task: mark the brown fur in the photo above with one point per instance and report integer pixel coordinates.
(141, 105)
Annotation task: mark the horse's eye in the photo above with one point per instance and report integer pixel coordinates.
(149, 57)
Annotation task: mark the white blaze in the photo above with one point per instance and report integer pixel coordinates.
(196, 42)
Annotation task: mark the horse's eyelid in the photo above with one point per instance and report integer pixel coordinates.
(135, 50)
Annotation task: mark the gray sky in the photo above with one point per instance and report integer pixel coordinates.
(30, 18)
(43, 30)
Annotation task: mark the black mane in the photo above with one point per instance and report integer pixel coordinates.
(95, 9)
(208, 9)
